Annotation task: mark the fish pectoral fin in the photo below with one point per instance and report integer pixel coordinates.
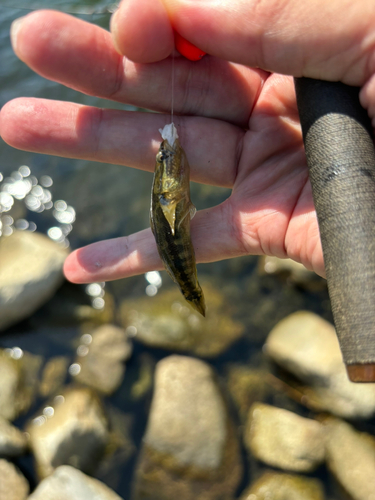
(169, 212)
(190, 211)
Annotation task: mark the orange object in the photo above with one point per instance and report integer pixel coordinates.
(187, 49)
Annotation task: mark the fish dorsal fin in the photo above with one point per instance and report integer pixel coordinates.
(169, 212)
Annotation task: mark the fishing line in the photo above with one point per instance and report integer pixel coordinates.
(172, 103)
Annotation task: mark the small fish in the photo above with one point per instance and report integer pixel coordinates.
(170, 214)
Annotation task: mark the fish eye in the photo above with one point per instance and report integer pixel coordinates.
(161, 156)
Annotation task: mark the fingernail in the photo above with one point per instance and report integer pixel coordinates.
(14, 30)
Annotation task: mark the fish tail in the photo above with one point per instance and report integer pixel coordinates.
(196, 300)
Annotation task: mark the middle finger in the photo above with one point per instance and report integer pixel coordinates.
(82, 56)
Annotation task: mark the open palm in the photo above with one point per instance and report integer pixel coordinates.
(238, 126)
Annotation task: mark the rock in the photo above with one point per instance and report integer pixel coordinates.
(351, 458)
(30, 273)
(276, 486)
(190, 450)
(293, 271)
(283, 439)
(102, 358)
(18, 375)
(246, 386)
(54, 375)
(306, 345)
(166, 321)
(13, 485)
(10, 376)
(68, 483)
(143, 384)
(13, 442)
(74, 432)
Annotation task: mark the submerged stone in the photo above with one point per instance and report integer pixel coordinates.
(283, 439)
(167, 322)
(30, 273)
(190, 450)
(74, 431)
(306, 345)
(276, 486)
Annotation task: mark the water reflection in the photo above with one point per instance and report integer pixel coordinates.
(23, 187)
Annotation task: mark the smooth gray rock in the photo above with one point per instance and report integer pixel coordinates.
(102, 360)
(276, 486)
(351, 458)
(13, 485)
(74, 431)
(13, 442)
(68, 483)
(30, 273)
(307, 346)
(283, 439)
(190, 450)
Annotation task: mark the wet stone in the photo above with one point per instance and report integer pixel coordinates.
(190, 450)
(30, 273)
(13, 485)
(18, 375)
(13, 442)
(102, 358)
(166, 321)
(53, 376)
(246, 386)
(351, 458)
(306, 345)
(283, 439)
(73, 431)
(276, 486)
(68, 483)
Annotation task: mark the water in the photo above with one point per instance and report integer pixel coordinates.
(111, 201)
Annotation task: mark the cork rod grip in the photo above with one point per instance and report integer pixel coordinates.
(340, 155)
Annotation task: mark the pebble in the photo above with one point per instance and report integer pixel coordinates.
(30, 273)
(13, 485)
(190, 449)
(13, 442)
(166, 321)
(276, 486)
(306, 345)
(351, 458)
(73, 431)
(102, 359)
(68, 483)
(283, 439)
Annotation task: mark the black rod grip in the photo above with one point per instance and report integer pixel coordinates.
(339, 145)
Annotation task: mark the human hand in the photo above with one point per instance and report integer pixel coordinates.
(239, 126)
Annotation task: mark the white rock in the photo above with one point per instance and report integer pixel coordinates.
(283, 439)
(30, 273)
(74, 431)
(190, 448)
(13, 485)
(307, 346)
(351, 458)
(68, 483)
